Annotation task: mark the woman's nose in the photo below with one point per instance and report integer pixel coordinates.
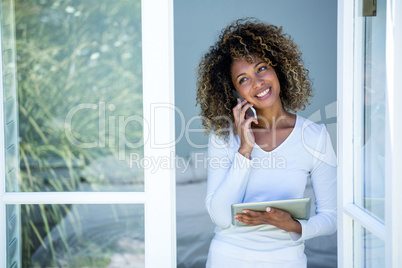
(257, 82)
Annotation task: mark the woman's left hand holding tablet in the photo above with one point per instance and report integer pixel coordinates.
(272, 216)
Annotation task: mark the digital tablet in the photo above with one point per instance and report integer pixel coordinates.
(298, 208)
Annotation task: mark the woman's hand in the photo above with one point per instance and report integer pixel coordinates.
(243, 127)
(272, 216)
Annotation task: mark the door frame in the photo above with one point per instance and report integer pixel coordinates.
(348, 212)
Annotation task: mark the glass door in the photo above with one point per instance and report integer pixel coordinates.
(368, 176)
(369, 131)
(83, 106)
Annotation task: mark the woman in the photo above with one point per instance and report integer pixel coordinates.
(262, 158)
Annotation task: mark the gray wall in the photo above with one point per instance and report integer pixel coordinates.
(311, 23)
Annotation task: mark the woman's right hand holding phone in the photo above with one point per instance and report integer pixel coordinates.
(242, 123)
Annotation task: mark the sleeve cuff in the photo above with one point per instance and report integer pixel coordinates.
(296, 236)
(240, 161)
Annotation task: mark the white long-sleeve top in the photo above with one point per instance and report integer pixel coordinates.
(276, 175)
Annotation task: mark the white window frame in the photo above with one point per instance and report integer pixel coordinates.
(393, 152)
(390, 231)
(159, 194)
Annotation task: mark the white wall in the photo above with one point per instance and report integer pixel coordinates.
(311, 23)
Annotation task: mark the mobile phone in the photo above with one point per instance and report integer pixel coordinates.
(250, 111)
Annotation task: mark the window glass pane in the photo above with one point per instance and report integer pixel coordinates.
(13, 240)
(369, 250)
(371, 149)
(82, 236)
(9, 97)
(79, 76)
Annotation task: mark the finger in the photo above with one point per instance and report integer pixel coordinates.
(278, 215)
(256, 217)
(247, 135)
(239, 104)
(246, 132)
(247, 116)
(246, 217)
(278, 211)
(247, 122)
(237, 109)
(252, 213)
(274, 211)
(244, 108)
(251, 220)
(252, 223)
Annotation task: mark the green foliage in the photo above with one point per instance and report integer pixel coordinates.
(69, 53)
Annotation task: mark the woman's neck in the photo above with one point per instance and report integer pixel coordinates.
(272, 118)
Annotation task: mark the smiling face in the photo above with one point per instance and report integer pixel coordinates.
(256, 82)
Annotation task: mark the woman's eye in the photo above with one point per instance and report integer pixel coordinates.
(262, 68)
(242, 80)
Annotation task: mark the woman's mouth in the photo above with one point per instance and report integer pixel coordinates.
(264, 93)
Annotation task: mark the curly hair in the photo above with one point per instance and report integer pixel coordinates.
(247, 39)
